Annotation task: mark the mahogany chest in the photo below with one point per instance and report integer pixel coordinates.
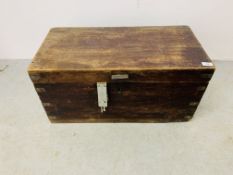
(120, 74)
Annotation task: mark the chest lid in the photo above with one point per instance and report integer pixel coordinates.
(119, 50)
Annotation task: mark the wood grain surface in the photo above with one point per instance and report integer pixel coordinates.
(119, 48)
(166, 77)
(163, 102)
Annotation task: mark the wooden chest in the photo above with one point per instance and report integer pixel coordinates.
(120, 74)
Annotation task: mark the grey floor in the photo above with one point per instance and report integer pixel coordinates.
(29, 144)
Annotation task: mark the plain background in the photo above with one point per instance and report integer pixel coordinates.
(24, 23)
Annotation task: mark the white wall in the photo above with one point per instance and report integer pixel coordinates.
(24, 23)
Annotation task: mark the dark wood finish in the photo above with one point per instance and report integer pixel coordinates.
(166, 78)
(162, 76)
(127, 101)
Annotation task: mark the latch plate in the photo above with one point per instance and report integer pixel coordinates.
(120, 76)
(102, 95)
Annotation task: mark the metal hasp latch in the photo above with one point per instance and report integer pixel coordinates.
(102, 95)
